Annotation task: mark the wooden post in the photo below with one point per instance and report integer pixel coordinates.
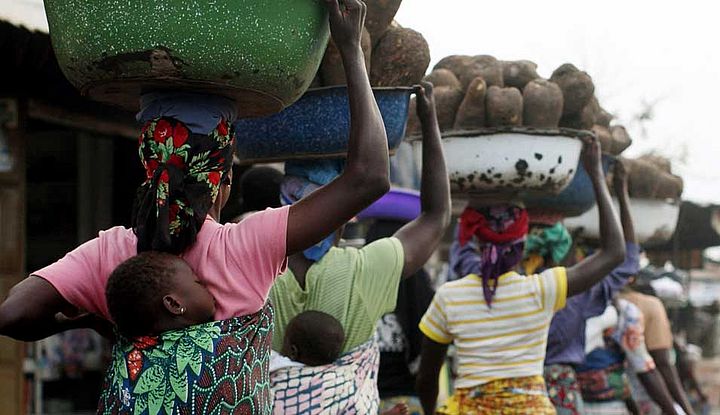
(12, 245)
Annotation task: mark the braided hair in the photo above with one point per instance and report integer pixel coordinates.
(184, 172)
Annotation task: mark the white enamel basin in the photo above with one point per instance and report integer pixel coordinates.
(508, 161)
(654, 220)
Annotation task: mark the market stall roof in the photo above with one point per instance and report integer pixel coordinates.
(698, 228)
(26, 13)
(30, 71)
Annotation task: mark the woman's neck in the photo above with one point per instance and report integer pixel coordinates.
(214, 213)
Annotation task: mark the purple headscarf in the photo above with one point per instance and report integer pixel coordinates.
(488, 260)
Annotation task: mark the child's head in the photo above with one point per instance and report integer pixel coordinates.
(155, 292)
(313, 338)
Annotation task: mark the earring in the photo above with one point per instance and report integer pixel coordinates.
(182, 310)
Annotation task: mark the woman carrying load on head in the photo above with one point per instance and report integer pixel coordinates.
(398, 335)
(566, 338)
(356, 286)
(186, 147)
(498, 319)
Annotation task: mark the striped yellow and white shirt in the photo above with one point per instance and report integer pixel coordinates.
(507, 340)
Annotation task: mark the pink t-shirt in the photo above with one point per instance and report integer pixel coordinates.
(237, 262)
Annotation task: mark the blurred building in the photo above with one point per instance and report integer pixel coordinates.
(64, 174)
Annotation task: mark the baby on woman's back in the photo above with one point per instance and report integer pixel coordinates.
(153, 292)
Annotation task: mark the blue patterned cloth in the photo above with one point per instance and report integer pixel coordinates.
(303, 177)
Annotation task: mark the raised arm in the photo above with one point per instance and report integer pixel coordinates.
(620, 183)
(599, 295)
(586, 273)
(366, 174)
(421, 237)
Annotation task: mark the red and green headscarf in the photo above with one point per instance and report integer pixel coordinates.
(184, 172)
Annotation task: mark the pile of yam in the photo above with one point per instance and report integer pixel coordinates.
(395, 56)
(499, 93)
(651, 177)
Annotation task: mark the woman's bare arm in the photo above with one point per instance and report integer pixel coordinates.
(586, 273)
(34, 310)
(432, 357)
(421, 237)
(366, 174)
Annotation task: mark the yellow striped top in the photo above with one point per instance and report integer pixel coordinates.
(506, 340)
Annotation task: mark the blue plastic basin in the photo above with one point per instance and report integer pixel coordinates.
(316, 126)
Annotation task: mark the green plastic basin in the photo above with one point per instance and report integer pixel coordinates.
(262, 53)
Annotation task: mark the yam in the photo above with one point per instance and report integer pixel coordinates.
(380, 14)
(594, 111)
(503, 107)
(584, 120)
(467, 68)
(669, 186)
(542, 104)
(486, 67)
(471, 113)
(457, 64)
(647, 180)
(443, 77)
(519, 73)
(662, 163)
(577, 87)
(400, 58)
(331, 67)
(621, 139)
(447, 102)
(603, 117)
(642, 177)
(603, 135)
(395, 24)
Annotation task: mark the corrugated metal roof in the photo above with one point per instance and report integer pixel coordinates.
(27, 13)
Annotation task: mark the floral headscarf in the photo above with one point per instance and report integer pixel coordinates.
(184, 172)
(499, 233)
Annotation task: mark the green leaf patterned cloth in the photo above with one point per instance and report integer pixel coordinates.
(211, 368)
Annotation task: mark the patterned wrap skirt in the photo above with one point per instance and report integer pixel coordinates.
(213, 368)
(514, 396)
(564, 389)
(348, 386)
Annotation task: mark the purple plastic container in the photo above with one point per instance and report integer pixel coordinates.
(397, 204)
